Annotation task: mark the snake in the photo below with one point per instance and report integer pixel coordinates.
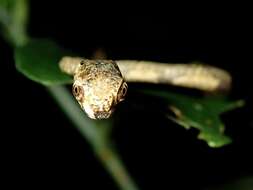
(99, 85)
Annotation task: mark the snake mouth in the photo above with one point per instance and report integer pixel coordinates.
(98, 113)
(102, 114)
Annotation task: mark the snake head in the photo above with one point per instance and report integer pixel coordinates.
(98, 87)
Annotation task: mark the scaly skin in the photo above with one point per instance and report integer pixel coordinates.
(99, 85)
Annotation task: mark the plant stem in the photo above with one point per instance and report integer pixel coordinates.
(95, 136)
(14, 23)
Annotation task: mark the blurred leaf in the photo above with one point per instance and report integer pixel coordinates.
(244, 183)
(38, 60)
(200, 113)
(7, 4)
(13, 17)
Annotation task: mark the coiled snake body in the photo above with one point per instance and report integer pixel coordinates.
(99, 85)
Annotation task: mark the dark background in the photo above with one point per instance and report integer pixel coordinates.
(42, 146)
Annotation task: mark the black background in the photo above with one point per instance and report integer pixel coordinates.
(44, 149)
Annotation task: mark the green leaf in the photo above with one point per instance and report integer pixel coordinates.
(7, 4)
(13, 17)
(242, 183)
(200, 113)
(38, 60)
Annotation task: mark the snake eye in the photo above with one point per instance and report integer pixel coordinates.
(124, 89)
(82, 62)
(78, 92)
(122, 92)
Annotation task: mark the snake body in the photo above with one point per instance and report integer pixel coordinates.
(99, 85)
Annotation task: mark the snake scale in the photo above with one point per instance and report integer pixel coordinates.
(99, 85)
